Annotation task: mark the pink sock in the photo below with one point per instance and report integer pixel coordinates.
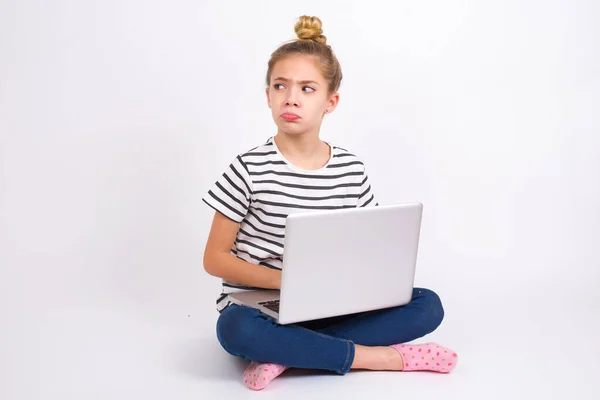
(258, 376)
(426, 357)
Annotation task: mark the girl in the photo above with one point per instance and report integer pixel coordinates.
(295, 171)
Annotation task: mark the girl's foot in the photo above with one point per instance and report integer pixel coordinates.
(257, 376)
(426, 357)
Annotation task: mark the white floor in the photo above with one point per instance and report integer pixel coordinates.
(153, 338)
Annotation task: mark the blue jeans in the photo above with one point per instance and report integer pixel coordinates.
(326, 344)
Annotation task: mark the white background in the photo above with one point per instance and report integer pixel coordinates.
(117, 116)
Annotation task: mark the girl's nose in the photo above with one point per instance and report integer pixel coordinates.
(292, 99)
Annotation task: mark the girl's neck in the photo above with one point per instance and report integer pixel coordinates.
(302, 145)
(305, 151)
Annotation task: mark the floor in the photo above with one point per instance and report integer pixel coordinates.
(154, 338)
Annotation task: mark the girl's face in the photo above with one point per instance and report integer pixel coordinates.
(298, 95)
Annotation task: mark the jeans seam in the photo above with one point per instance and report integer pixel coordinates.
(346, 366)
(323, 335)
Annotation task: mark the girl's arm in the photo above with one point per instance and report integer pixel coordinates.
(219, 262)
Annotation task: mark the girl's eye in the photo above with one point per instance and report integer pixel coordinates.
(308, 89)
(277, 85)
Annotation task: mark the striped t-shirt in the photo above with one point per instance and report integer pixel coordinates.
(260, 188)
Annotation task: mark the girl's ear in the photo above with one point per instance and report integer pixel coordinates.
(268, 97)
(332, 103)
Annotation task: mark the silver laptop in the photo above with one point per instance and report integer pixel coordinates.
(343, 262)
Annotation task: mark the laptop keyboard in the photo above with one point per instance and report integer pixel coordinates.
(272, 305)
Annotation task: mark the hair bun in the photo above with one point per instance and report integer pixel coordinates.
(310, 28)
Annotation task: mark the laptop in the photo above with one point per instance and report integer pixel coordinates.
(340, 262)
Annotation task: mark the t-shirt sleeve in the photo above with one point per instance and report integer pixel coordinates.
(366, 197)
(231, 193)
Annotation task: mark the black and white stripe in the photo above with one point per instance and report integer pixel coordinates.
(261, 188)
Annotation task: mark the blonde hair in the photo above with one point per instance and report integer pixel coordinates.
(310, 42)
